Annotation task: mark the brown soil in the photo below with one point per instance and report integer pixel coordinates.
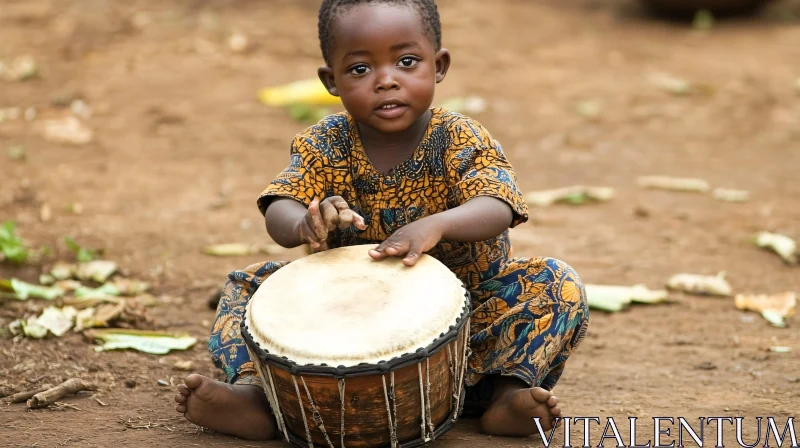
(182, 148)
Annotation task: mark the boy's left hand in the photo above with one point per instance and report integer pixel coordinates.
(411, 240)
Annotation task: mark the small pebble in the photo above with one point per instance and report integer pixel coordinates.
(163, 383)
(141, 19)
(641, 212)
(183, 365)
(81, 109)
(706, 366)
(130, 383)
(238, 42)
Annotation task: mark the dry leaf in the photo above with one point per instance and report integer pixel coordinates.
(775, 307)
(701, 284)
(63, 271)
(68, 130)
(671, 84)
(21, 68)
(780, 244)
(130, 287)
(726, 195)
(468, 105)
(673, 183)
(242, 249)
(98, 270)
(576, 194)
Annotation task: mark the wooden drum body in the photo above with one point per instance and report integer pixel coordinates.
(396, 383)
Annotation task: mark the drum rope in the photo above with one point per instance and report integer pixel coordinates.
(394, 399)
(452, 375)
(465, 357)
(341, 398)
(421, 401)
(277, 406)
(392, 427)
(428, 398)
(303, 413)
(316, 415)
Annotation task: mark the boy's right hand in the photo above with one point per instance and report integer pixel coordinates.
(323, 217)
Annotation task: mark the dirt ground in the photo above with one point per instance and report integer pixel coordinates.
(182, 148)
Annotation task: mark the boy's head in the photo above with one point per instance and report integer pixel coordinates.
(383, 58)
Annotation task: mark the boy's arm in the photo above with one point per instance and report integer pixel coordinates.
(281, 218)
(478, 219)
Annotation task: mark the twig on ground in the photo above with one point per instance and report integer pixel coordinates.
(48, 397)
(24, 396)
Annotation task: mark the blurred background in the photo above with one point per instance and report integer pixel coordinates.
(136, 129)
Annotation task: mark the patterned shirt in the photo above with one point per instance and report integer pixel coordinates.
(456, 161)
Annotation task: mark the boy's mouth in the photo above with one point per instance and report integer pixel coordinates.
(390, 109)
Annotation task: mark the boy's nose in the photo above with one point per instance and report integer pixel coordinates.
(385, 81)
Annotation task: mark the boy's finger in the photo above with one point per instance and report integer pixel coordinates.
(358, 220)
(412, 257)
(307, 233)
(330, 215)
(376, 254)
(338, 202)
(348, 217)
(316, 220)
(345, 218)
(379, 251)
(396, 248)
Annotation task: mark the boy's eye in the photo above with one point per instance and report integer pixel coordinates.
(359, 70)
(408, 62)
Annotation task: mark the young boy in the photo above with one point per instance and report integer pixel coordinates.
(412, 180)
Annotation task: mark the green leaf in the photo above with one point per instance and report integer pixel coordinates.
(703, 20)
(11, 246)
(83, 254)
(16, 152)
(575, 198)
(157, 343)
(22, 291)
(104, 291)
(613, 298)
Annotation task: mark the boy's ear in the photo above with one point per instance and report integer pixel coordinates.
(442, 64)
(325, 74)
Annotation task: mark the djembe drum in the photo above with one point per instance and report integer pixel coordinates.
(354, 352)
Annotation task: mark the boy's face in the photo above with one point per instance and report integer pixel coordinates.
(383, 65)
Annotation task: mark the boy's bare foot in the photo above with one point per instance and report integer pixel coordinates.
(513, 407)
(237, 410)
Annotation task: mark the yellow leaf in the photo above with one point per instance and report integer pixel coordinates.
(309, 92)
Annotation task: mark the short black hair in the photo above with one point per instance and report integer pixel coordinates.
(329, 10)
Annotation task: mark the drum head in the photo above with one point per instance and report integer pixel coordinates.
(342, 308)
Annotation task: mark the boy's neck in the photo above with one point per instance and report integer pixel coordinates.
(372, 139)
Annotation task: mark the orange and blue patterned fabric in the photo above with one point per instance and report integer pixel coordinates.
(529, 314)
